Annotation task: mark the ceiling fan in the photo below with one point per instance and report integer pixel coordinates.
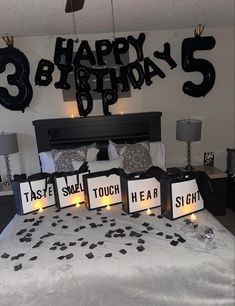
(74, 5)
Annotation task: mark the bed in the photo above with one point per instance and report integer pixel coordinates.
(76, 257)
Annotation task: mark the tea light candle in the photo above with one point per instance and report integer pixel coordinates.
(78, 205)
(149, 211)
(41, 209)
(108, 207)
(122, 112)
(193, 217)
(72, 116)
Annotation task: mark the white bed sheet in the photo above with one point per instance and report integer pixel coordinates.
(189, 274)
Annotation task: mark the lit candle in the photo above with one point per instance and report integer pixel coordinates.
(78, 205)
(122, 112)
(72, 116)
(41, 209)
(108, 207)
(193, 217)
(149, 211)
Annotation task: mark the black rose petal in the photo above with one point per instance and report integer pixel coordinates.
(18, 267)
(128, 228)
(144, 232)
(56, 217)
(72, 243)
(100, 224)
(181, 239)
(53, 224)
(5, 255)
(105, 217)
(160, 234)
(41, 217)
(152, 215)
(80, 239)
(33, 258)
(169, 237)
(82, 227)
(119, 230)
(14, 257)
(140, 248)
(69, 256)
(145, 224)
(76, 230)
(64, 247)
(177, 235)
(135, 215)
(174, 242)
(88, 218)
(37, 244)
(129, 243)
(108, 255)
(60, 220)
(90, 255)
(75, 217)
(61, 257)
(53, 248)
(22, 231)
(68, 214)
(149, 228)
(160, 216)
(98, 209)
(123, 251)
(100, 242)
(112, 220)
(64, 226)
(92, 246)
(93, 225)
(108, 235)
(112, 224)
(168, 225)
(122, 214)
(141, 241)
(84, 243)
(32, 230)
(57, 210)
(105, 221)
(99, 213)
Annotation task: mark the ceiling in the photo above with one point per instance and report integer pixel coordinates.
(47, 17)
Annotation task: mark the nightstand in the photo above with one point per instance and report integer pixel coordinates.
(216, 201)
(7, 206)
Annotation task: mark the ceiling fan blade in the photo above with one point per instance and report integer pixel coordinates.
(74, 5)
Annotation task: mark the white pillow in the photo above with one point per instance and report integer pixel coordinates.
(157, 152)
(99, 165)
(47, 162)
(112, 148)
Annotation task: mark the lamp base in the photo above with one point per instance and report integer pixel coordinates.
(189, 167)
(7, 182)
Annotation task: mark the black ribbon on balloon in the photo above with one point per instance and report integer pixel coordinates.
(190, 64)
(20, 79)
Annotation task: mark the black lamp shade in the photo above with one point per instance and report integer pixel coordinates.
(8, 143)
(188, 130)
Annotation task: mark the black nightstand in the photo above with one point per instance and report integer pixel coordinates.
(216, 201)
(7, 206)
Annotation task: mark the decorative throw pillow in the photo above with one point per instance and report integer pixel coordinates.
(99, 165)
(63, 158)
(136, 158)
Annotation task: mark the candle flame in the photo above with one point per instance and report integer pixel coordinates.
(122, 112)
(108, 207)
(41, 209)
(149, 211)
(193, 217)
(72, 116)
(78, 204)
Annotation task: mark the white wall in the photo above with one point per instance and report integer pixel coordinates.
(217, 109)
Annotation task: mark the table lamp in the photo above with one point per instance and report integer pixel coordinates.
(188, 130)
(8, 145)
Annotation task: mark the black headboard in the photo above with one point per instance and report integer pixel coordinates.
(72, 132)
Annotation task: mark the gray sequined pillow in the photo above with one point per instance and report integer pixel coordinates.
(63, 158)
(136, 158)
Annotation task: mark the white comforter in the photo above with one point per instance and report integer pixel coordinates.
(192, 273)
